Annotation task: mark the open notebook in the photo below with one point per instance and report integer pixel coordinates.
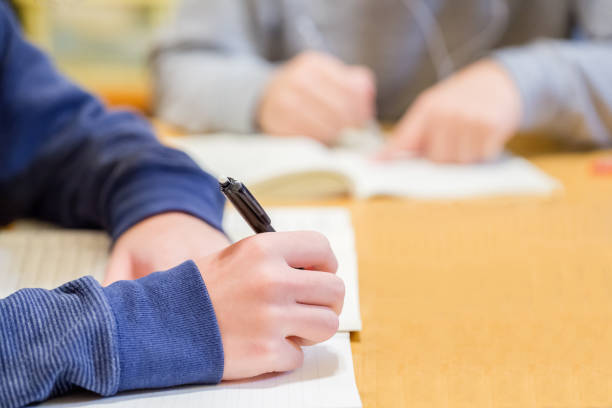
(299, 168)
(31, 257)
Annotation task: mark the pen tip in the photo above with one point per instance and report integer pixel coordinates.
(222, 179)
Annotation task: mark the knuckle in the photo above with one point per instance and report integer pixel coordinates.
(270, 316)
(338, 289)
(320, 238)
(269, 287)
(334, 263)
(324, 246)
(270, 320)
(330, 324)
(290, 285)
(269, 349)
(260, 247)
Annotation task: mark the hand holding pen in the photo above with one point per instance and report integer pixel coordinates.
(266, 307)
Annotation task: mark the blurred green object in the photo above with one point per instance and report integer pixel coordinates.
(102, 44)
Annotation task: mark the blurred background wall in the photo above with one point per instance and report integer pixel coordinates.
(101, 44)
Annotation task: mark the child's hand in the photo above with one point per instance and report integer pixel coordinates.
(466, 118)
(159, 243)
(318, 96)
(266, 308)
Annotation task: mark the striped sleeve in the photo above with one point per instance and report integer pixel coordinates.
(54, 340)
(154, 332)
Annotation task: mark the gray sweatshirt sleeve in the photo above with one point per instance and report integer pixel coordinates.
(566, 86)
(209, 68)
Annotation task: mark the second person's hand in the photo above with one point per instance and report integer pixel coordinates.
(466, 118)
(317, 95)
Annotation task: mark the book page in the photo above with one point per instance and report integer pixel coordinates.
(31, 256)
(325, 380)
(423, 179)
(256, 159)
(302, 168)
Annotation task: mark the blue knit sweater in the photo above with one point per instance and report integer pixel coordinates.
(65, 159)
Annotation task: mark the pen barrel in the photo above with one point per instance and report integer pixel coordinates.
(267, 228)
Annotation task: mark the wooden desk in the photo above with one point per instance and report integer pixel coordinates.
(488, 303)
(503, 302)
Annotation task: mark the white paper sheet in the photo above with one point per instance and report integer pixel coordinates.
(326, 380)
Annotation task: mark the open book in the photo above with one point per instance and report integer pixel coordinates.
(300, 168)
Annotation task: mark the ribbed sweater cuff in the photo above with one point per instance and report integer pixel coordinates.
(167, 331)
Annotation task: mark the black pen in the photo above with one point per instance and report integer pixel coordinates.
(246, 204)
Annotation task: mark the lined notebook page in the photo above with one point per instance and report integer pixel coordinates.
(326, 380)
(31, 256)
(43, 257)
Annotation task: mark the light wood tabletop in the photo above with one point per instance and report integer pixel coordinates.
(500, 302)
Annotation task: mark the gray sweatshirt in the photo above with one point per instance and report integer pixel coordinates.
(212, 65)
